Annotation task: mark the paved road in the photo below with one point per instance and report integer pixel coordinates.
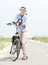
(37, 52)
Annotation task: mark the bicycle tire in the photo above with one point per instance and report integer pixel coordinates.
(17, 52)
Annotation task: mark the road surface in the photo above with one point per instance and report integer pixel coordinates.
(37, 53)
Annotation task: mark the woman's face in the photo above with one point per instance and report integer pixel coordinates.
(22, 11)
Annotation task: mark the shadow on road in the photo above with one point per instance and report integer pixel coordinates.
(6, 59)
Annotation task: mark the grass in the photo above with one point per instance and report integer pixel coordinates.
(5, 39)
(41, 39)
(3, 43)
(2, 46)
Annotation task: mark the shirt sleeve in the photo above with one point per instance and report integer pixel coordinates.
(16, 18)
(24, 20)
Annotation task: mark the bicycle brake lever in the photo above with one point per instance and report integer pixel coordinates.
(13, 22)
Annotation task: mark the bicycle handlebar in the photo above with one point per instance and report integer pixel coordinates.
(11, 23)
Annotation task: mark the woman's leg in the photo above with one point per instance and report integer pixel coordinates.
(24, 45)
(22, 38)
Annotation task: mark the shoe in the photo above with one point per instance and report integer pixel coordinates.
(25, 58)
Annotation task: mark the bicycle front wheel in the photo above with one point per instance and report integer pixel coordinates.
(15, 50)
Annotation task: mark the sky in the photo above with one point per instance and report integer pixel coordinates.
(37, 18)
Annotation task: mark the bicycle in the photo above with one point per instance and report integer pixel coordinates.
(16, 45)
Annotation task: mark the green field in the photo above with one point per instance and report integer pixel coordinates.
(3, 42)
(5, 39)
(41, 39)
(3, 45)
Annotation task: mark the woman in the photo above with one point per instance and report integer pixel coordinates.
(21, 28)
